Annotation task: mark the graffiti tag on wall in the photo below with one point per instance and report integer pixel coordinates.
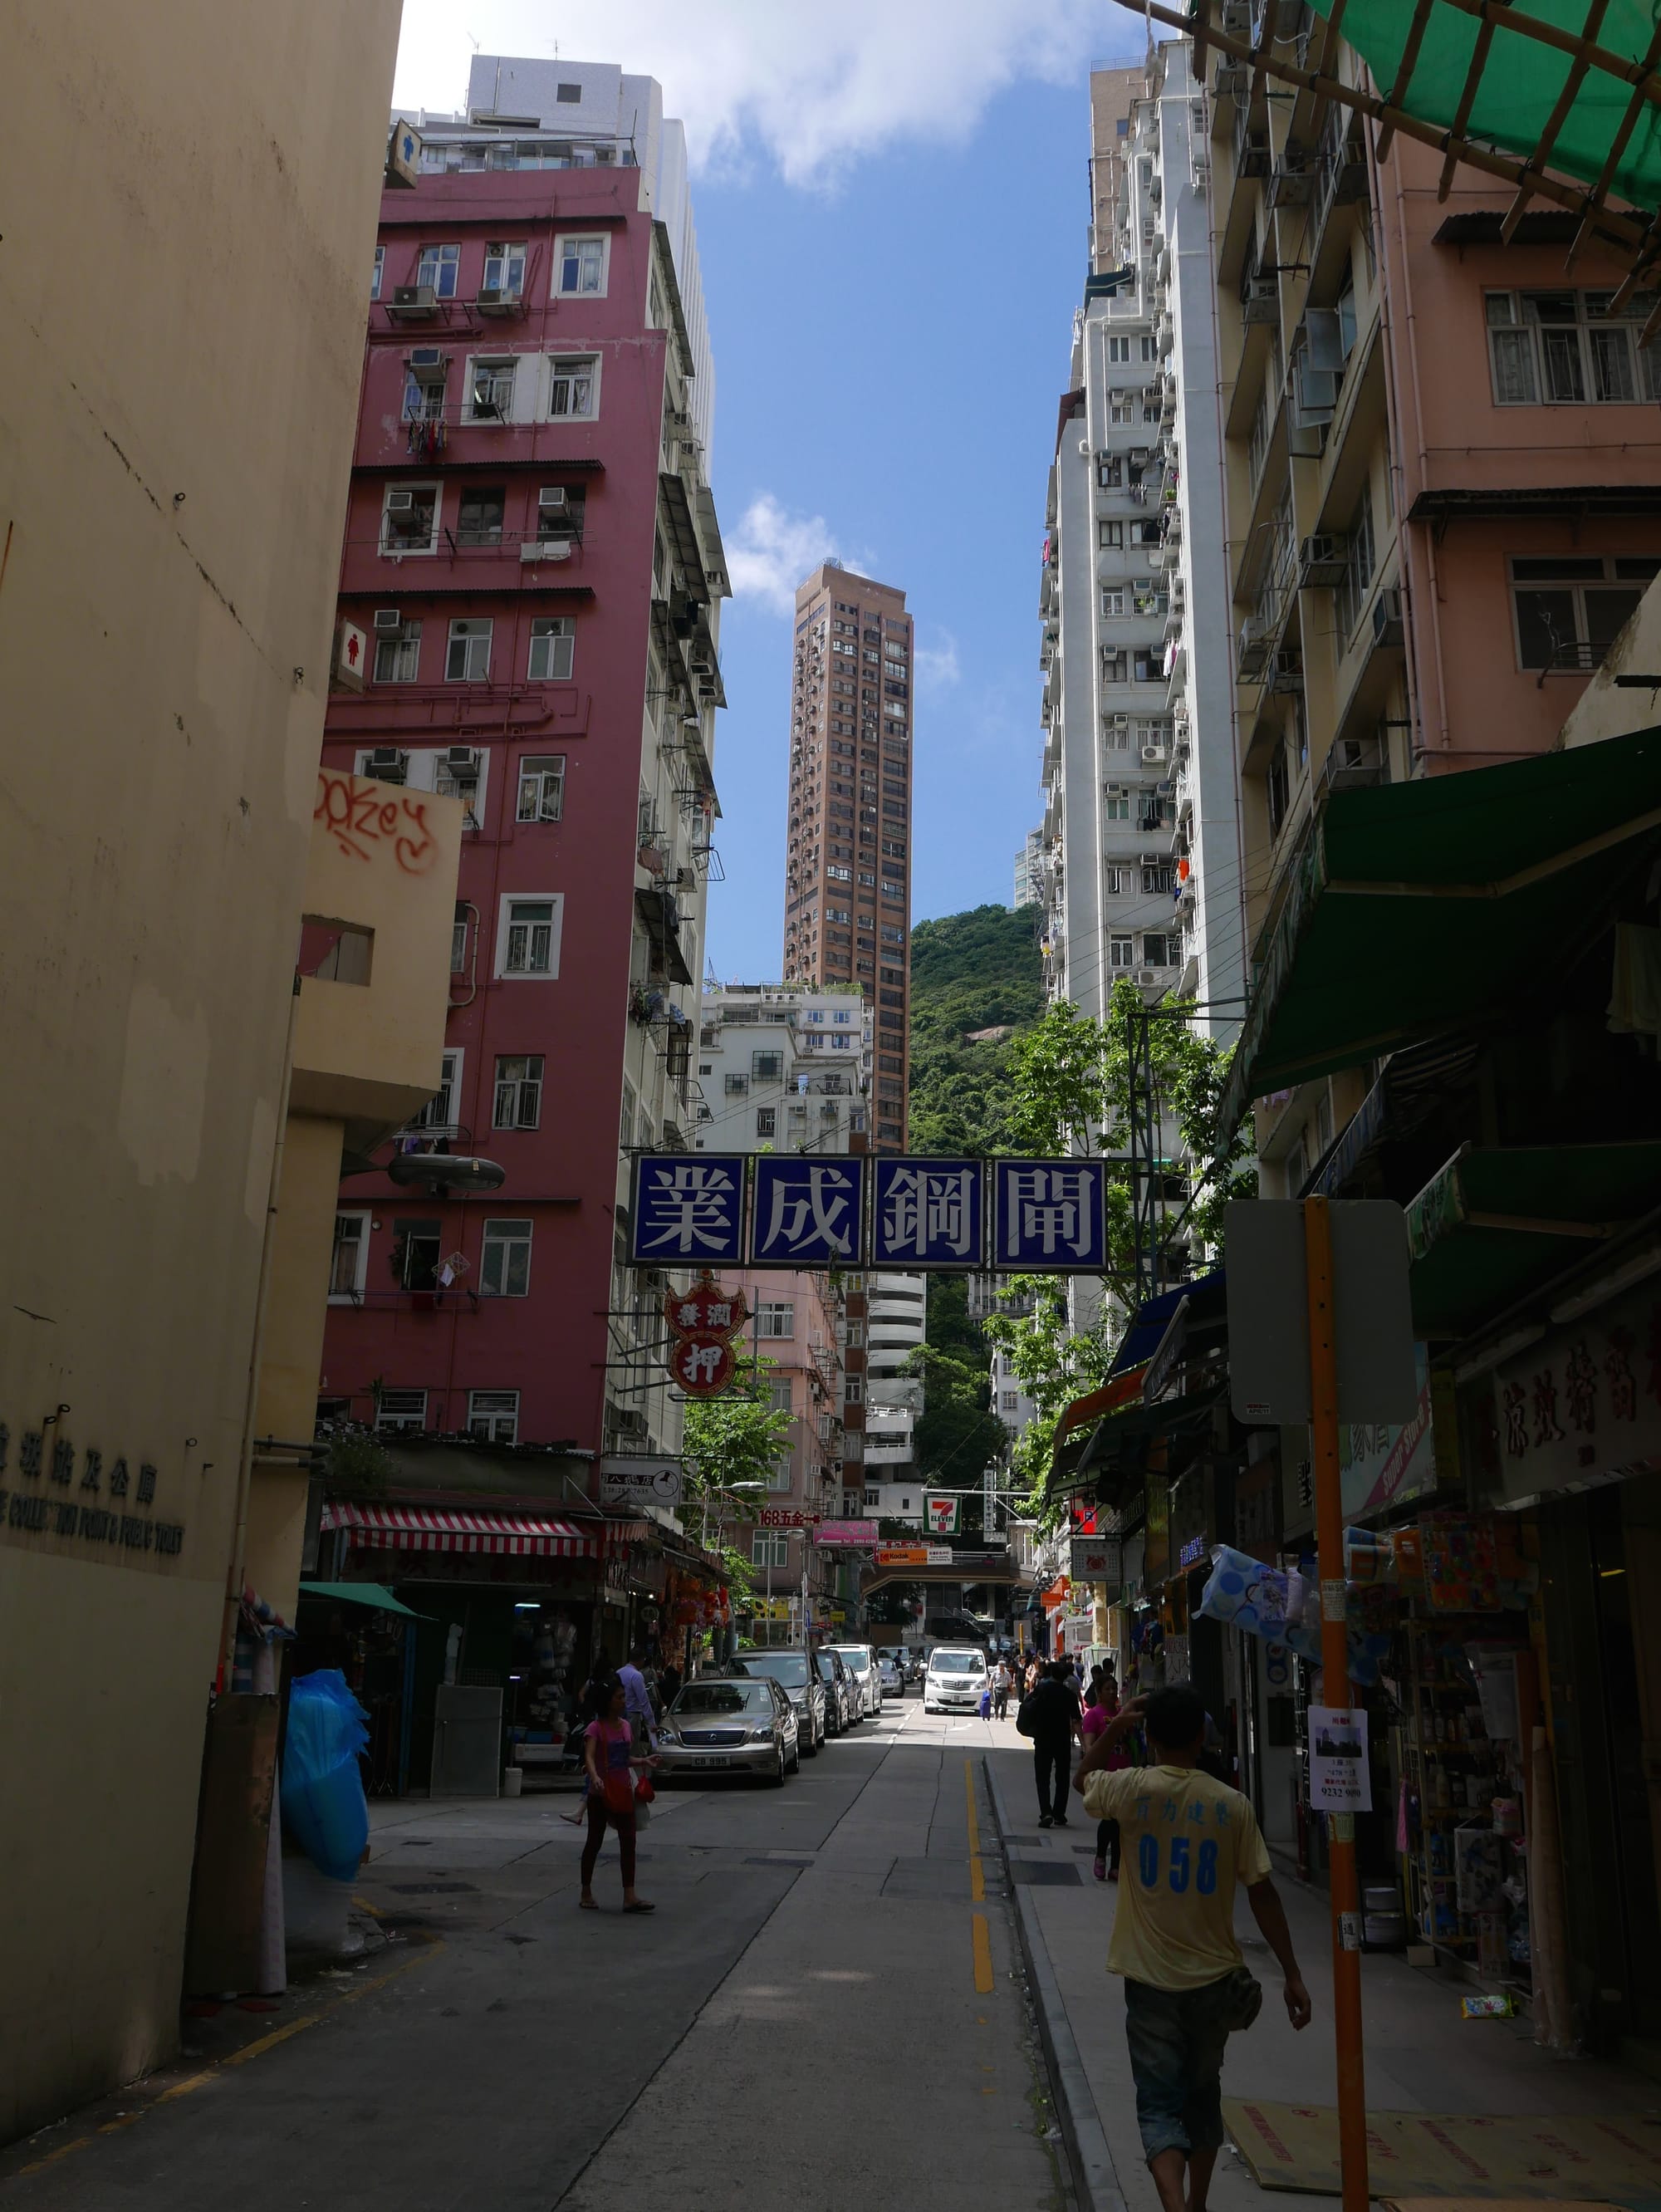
(362, 816)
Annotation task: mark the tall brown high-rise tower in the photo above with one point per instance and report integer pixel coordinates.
(847, 903)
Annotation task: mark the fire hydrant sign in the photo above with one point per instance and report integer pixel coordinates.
(940, 1515)
(1339, 1779)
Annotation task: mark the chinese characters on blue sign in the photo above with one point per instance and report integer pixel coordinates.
(928, 1213)
(1044, 1217)
(808, 1212)
(1051, 1217)
(688, 1210)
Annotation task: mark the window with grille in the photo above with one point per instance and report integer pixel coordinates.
(1568, 349)
(504, 1260)
(574, 388)
(553, 646)
(440, 267)
(1569, 609)
(766, 1121)
(490, 391)
(440, 1109)
(400, 1412)
(493, 1416)
(1121, 952)
(530, 935)
(397, 654)
(348, 1263)
(504, 269)
(519, 1093)
(467, 660)
(579, 267)
(776, 1318)
(542, 788)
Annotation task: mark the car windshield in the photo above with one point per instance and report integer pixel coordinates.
(702, 1699)
(789, 1668)
(956, 1662)
(859, 1660)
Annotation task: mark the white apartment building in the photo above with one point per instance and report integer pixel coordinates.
(1141, 820)
(1029, 872)
(780, 1068)
(897, 1322)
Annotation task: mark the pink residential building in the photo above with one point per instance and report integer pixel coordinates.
(528, 609)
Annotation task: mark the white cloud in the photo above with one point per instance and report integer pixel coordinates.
(771, 551)
(812, 89)
(937, 667)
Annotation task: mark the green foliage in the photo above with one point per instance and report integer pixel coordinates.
(358, 1465)
(729, 1444)
(969, 971)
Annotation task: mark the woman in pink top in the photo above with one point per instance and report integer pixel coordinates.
(608, 1753)
(1101, 1706)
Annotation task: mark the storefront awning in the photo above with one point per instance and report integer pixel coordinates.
(433, 1529)
(1415, 907)
(1497, 1220)
(375, 1595)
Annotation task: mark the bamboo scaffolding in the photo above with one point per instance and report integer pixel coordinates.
(1328, 55)
(1467, 101)
(1554, 122)
(1635, 107)
(1263, 57)
(1410, 62)
(1631, 232)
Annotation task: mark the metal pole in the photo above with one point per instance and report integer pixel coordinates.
(1335, 1671)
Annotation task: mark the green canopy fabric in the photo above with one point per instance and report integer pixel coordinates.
(1521, 81)
(374, 1595)
(1496, 1220)
(1415, 908)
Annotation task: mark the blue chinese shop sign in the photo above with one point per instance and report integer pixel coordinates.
(688, 1209)
(811, 1210)
(928, 1213)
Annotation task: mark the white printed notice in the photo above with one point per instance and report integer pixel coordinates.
(1339, 1781)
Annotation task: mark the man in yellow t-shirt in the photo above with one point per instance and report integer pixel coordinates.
(1188, 1842)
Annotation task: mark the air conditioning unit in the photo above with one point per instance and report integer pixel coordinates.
(1260, 301)
(1286, 673)
(386, 764)
(1323, 563)
(554, 504)
(1233, 79)
(1145, 976)
(426, 357)
(545, 548)
(1253, 649)
(1387, 626)
(388, 620)
(400, 505)
(462, 760)
(1290, 184)
(412, 303)
(497, 300)
(1155, 756)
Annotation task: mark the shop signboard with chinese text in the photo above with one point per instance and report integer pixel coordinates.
(914, 1555)
(1050, 1216)
(856, 1535)
(1340, 1779)
(1584, 1404)
(787, 1516)
(809, 1211)
(1096, 1559)
(928, 1213)
(1382, 1464)
(639, 1478)
(687, 1210)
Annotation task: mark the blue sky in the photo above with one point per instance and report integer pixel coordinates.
(892, 206)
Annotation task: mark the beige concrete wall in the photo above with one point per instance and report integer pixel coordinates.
(193, 206)
(1606, 710)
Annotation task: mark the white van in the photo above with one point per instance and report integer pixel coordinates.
(955, 1679)
(861, 1661)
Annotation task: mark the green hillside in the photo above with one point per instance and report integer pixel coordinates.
(970, 971)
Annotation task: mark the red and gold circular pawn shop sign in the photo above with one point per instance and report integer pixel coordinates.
(703, 1321)
(705, 1313)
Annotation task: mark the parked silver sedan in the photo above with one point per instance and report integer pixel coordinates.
(729, 1724)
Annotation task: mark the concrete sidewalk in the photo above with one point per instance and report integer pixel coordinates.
(1421, 2055)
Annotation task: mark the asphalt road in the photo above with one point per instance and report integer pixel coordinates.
(821, 2015)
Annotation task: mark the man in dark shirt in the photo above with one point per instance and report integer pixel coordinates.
(1051, 1718)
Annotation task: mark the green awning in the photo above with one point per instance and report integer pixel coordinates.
(1497, 1220)
(373, 1595)
(1414, 908)
(1512, 102)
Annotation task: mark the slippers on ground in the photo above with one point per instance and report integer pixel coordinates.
(639, 1906)
(588, 1904)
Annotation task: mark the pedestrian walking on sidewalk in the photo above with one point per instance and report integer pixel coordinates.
(1003, 1682)
(1191, 1841)
(1099, 1709)
(1049, 1715)
(609, 1757)
(637, 1701)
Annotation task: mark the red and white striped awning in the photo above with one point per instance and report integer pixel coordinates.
(431, 1529)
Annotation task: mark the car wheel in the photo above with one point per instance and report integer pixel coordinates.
(776, 1779)
(810, 1748)
(796, 1758)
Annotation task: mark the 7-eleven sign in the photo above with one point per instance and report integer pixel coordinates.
(940, 1515)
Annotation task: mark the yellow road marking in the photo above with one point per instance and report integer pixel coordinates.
(977, 1878)
(39, 2164)
(983, 1955)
